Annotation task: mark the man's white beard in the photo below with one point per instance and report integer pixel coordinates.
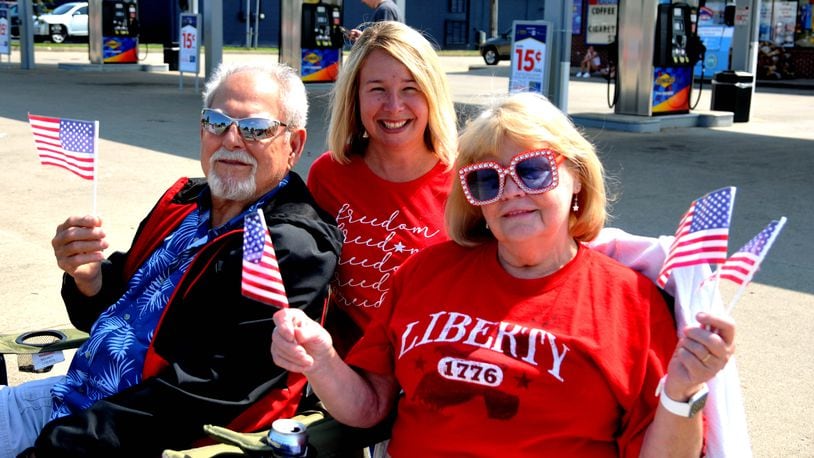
(231, 188)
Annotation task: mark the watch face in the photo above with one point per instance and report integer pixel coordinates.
(697, 404)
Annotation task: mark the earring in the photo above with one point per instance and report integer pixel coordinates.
(575, 207)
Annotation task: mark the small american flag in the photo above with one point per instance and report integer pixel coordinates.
(65, 143)
(702, 234)
(744, 263)
(261, 278)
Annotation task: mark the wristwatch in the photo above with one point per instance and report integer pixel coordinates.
(683, 409)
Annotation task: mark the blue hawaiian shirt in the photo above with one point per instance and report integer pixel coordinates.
(112, 359)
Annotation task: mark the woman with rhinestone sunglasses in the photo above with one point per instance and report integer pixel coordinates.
(516, 338)
(392, 140)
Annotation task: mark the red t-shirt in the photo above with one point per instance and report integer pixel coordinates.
(493, 365)
(383, 223)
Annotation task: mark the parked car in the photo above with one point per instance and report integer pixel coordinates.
(497, 48)
(65, 21)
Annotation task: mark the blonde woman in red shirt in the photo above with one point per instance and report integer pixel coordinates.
(516, 338)
(392, 140)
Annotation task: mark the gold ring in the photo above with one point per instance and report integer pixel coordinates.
(705, 358)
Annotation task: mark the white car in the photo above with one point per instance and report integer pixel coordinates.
(65, 21)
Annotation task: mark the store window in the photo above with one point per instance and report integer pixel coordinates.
(805, 35)
(457, 6)
(786, 23)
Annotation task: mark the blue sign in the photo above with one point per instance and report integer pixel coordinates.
(718, 41)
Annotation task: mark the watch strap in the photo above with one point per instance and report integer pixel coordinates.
(682, 409)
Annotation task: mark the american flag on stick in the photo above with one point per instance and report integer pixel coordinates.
(702, 234)
(66, 143)
(261, 278)
(744, 263)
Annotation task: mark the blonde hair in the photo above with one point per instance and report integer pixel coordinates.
(408, 46)
(530, 120)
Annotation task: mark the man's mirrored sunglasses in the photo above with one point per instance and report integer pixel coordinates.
(535, 172)
(251, 129)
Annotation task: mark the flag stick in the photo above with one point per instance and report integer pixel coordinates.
(694, 298)
(716, 282)
(95, 162)
(742, 288)
(736, 298)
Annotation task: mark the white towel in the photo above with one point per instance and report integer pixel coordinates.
(726, 434)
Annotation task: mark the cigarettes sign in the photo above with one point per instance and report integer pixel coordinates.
(601, 28)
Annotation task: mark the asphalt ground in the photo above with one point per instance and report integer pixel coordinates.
(149, 137)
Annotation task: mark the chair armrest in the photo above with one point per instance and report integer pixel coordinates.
(30, 343)
(43, 341)
(326, 438)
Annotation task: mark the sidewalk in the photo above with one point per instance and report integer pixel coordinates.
(149, 137)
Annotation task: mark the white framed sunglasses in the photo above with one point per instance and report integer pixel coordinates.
(535, 172)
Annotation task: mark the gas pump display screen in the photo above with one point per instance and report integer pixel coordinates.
(115, 19)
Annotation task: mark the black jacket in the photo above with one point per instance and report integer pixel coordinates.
(209, 362)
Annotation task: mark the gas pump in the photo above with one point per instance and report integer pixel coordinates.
(672, 66)
(315, 47)
(657, 49)
(113, 31)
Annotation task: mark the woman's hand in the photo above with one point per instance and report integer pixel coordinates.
(700, 354)
(298, 343)
(360, 399)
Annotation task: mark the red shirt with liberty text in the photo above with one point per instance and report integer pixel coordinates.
(493, 365)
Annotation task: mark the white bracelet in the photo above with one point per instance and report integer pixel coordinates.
(682, 409)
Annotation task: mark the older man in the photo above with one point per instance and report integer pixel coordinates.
(173, 343)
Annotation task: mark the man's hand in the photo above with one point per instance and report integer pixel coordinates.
(78, 246)
(354, 34)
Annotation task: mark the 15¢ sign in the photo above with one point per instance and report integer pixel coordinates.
(189, 52)
(530, 59)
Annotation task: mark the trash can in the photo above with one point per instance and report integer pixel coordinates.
(171, 55)
(732, 91)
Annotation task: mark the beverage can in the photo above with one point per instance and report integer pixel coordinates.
(288, 438)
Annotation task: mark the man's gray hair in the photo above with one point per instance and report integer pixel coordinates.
(293, 96)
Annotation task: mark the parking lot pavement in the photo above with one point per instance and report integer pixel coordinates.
(149, 137)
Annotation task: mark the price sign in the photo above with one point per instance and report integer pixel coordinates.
(5, 32)
(530, 40)
(188, 56)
